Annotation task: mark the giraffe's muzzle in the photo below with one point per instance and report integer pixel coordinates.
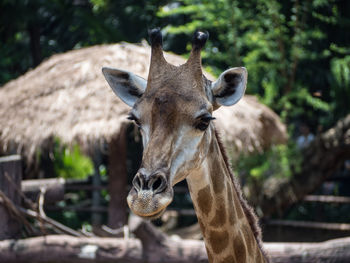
(150, 194)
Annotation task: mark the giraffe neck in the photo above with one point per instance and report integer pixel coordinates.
(226, 222)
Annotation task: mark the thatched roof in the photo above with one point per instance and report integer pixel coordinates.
(249, 126)
(67, 96)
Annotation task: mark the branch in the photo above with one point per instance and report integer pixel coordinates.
(14, 211)
(321, 159)
(50, 221)
(64, 249)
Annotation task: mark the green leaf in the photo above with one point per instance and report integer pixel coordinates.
(69, 162)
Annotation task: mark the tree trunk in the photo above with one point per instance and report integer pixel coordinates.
(335, 251)
(10, 184)
(154, 247)
(68, 249)
(96, 217)
(64, 249)
(35, 48)
(117, 185)
(321, 159)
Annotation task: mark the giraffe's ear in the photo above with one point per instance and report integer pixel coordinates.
(229, 88)
(128, 86)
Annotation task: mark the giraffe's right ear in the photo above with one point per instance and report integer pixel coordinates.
(230, 86)
(128, 86)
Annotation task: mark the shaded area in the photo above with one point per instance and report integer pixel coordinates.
(321, 160)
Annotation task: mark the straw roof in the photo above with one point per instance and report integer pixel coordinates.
(249, 126)
(67, 96)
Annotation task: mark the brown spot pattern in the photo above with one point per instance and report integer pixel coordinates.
(218, 240)
(239, 248)
(220, 217)
(228, 259)
(204, 200)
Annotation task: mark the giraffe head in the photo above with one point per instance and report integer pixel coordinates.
(173, 110)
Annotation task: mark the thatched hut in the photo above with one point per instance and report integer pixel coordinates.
(66, 96)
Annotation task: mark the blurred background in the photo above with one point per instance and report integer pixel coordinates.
(288, 141)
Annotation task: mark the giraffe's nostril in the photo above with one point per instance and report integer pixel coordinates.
(157, 184)
(137, 183)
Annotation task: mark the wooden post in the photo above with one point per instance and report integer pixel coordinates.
(117, 185)
(96, 217)
(10, 179)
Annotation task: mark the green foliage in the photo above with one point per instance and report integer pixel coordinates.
(33, 30)
(70, 162)
(296, 52)
(341, 82)
(300, 103)
(288, 47)
(281, 161)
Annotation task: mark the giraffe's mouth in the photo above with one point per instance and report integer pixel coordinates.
(152, 216)
(147, 204)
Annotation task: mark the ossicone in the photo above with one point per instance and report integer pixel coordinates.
(199, 39)
(155, 37)
(194, 61)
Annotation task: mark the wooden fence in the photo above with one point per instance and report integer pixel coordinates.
(57, 188)
(80, 246)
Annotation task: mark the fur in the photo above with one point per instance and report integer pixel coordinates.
(248, 210)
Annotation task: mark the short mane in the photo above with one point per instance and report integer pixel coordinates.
(248, 210)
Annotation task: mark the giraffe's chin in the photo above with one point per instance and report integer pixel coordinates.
(152, 216)
(147, 204)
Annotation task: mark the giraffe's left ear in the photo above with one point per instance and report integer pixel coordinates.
(229, 88)
(126, 85)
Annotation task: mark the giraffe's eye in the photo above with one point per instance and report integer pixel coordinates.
(132, 117)
(203, 122)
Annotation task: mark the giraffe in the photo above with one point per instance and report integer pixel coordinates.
(173, 111)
